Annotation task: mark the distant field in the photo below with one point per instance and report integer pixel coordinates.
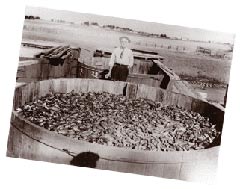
(184, 63)
(192, 66)
(213, 94)
(98, 37)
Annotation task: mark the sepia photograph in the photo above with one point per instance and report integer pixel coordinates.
(120, 94)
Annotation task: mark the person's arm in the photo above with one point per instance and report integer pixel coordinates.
(131, 59)
(111, 62)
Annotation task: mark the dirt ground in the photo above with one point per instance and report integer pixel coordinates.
(215, 94)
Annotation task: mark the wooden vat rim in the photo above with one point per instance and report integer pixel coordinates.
(110, 153)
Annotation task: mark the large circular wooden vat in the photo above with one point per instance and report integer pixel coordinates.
(27, 140)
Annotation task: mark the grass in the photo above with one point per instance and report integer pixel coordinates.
(192, 67)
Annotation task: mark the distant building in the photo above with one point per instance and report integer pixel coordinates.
(86, 23)
(32, 17)
(109, 26)
(94, 24)
(203, 50)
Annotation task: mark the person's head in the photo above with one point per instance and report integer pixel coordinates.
(124, 41)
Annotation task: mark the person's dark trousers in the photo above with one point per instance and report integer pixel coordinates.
(119, 72)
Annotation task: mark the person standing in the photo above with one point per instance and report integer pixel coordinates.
(121, 61)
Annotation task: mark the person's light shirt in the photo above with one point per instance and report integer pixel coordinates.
(122, 56)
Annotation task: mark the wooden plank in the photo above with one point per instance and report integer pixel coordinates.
(165, 157)
(159, 95)
(50, 71)
(136, 168)
(173, 99)
(17, 101)
(188, 171)
(21, 71)
(64, 85)
(77, 85)
(102, 164)
(95, 85)
(152, 93)
(198, 106)
(71, 68)
(44, 87)
(44, 69)
(14, 143)
(68, 85)
(171, 171)
(146, 92)
(185, 102)
(117, 166)
(153, 82)
(109, 87)
(201, 155)
(132, 90)
(142, 91)
(83, 85)
(31, 71)
(167, 98)
(51, 86)
(154, 170)
(10, 143)
(24, 94)
(199, 171)
(118, 87)
(35, 91)
(56, 85)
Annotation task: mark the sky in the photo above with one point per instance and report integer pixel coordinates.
(150, 27)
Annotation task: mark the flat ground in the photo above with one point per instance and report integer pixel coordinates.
(179, 55)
